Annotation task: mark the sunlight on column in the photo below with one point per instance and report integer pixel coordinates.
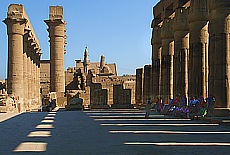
(170, 132)
(39, 134)
(31, 147)
(177, 144)
(159, 124)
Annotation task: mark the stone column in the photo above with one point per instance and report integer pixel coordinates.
(147, 82)
(198, 26)
(25, 69)
(38, 56)
(167, 59)
(33, 75)
(139, 85)
(15, 31)
(181, 38)
(220, 47)
(156, 60)
(29, 63)
(57, 36)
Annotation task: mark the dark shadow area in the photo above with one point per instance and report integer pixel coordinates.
(15, 130)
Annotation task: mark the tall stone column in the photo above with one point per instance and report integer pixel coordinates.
(181, 43)
(156, 59)
(15, 31)
(198, 66)
(167, 59)
(139, 85)
(220, 55)
(38, 56)
(25, 69)
(29, 70)
(57, 36)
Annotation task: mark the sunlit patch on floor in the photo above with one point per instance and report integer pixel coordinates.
(169, 132)
(44, 126)
(31, 147)
(52, 112)
(177, 144)
(39, 134)
(141, 119)
(106, 124)
(49, 117)
(124, 116)
(126, 113)
(47, 121)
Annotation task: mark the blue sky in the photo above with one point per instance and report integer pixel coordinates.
(118, 29)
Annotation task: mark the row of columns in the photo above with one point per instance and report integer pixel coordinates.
(191, 52)
(23, 72)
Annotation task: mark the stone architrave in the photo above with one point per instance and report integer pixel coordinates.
(220, 52)
(167, 60)
(198, 53)
(181, 38)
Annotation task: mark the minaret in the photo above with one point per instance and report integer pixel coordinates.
(102, 62)
(86, 60)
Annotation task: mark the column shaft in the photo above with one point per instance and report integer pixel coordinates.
(198, 25)
(156, 60)
(167, 59)
(219, 58)
(15, 31)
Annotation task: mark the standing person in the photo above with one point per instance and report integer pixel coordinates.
(148, 108)
(211, 104)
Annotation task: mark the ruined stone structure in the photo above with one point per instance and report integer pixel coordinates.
(98, 85)
(23, 73)
(190, 49)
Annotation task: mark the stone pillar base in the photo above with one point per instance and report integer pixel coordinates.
(221, 112)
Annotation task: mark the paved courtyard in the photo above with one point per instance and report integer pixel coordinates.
(110, 132)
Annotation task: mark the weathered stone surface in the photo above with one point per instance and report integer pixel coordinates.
(57, 36)
(22, 73)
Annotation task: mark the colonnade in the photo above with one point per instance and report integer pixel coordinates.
(23, 72)
(191, 49)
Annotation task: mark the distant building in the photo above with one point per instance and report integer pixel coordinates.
(97, 83)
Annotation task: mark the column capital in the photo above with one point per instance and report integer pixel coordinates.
(198, 11)
(180, 22)
(15, 26)
(166, 30)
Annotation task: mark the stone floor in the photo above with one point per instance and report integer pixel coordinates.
(110, 132)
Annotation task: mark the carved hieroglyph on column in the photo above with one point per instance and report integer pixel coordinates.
(57, 37)
(198, 54)
(156, 58)
(181, 38)
(220, 52)
(167, 59)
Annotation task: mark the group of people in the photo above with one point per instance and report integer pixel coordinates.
(179, 106)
